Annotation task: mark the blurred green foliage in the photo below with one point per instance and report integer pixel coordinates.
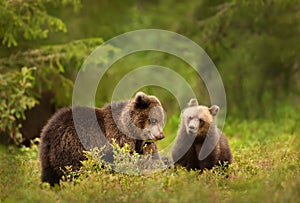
(254, 44)
(29, 20)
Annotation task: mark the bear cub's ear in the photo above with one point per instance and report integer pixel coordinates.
(193, 102)
(214, 109)
(141, 100)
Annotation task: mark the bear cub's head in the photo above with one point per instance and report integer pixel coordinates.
(197, 118)
(147, 116)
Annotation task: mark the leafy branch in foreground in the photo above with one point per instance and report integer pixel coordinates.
(56, 65)
(15, 100)
(23, 19)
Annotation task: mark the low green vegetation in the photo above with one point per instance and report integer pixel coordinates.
(266, 169)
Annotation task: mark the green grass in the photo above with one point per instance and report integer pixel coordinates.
(266, 168)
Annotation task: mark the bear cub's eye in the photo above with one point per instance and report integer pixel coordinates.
(190, 117)
(201, 122)
(153, 121)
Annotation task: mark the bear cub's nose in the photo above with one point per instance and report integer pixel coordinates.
(192, 127)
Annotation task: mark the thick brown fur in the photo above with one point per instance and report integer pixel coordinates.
(199, 143)
(62, 145)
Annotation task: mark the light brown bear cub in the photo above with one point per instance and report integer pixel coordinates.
(199, 143)
(137, 122)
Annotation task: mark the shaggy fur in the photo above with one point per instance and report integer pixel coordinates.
(199, 143)
(130, 122)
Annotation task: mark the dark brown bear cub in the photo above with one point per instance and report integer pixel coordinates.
(72, 130)
(199, 143)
